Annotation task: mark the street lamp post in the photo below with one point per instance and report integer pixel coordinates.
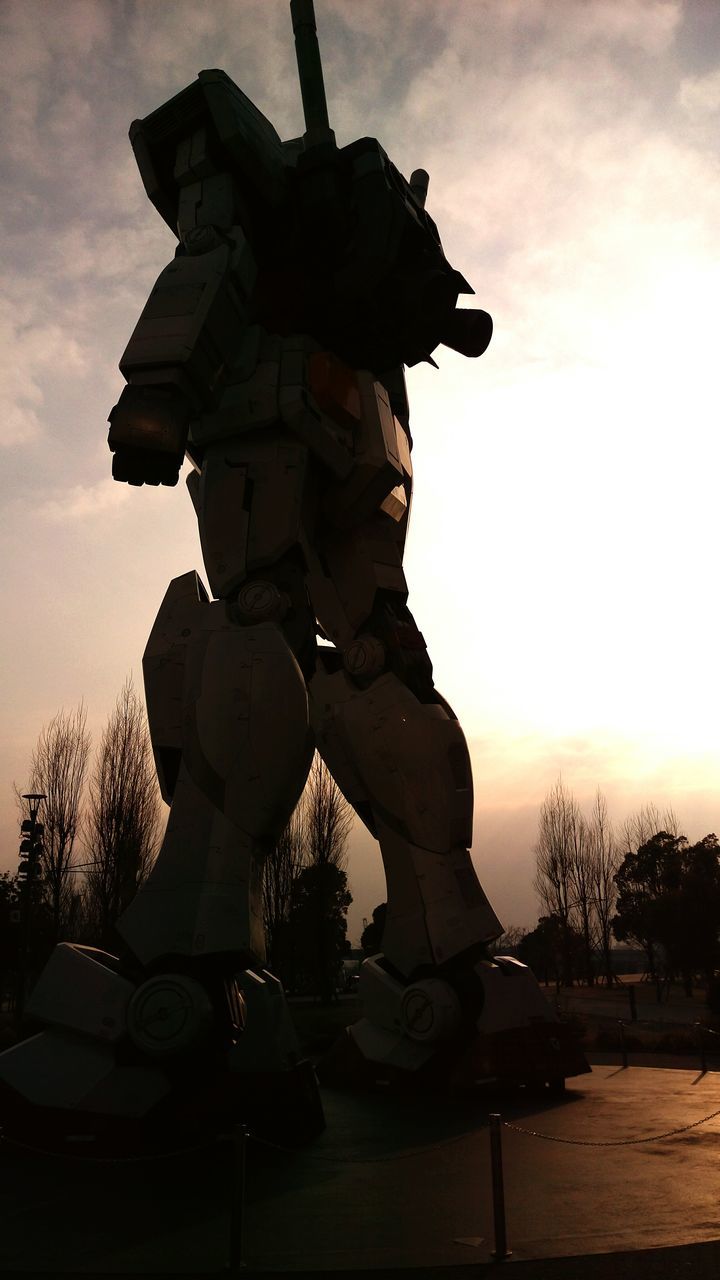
(28, 870)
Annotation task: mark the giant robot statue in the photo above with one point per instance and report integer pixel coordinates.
(270, 353)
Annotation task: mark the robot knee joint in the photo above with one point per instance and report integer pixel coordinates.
(392, 642)
(258, 600)
(365, 658)
(277, 594)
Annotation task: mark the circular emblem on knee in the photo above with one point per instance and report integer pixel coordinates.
(260, 601)
(430, 1011)
(364, 658)
(169, 1014)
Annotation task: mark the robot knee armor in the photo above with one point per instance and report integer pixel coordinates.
(201, 668)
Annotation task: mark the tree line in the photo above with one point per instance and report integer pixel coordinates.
(643, 884)
(101, 820)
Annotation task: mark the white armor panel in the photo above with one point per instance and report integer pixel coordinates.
(405, 764)
(381, 464)
(250, 503)
(203, 895)
(346, 571)
(56, 1069)
(220, 697)
(269, 1041)
(77, 990)
(164, 674)
(411, 757)
(189, 321)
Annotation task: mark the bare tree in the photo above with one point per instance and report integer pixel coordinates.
(58, 767)
(576, 860)
(646, 823)
(328, 818)
(581, 881)
(604, 862)
(508, 942)
(123, 815)
(282, 867)
(554, 853)
(305, 892)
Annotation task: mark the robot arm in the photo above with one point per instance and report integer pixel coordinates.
(178, 353)
(190, 153)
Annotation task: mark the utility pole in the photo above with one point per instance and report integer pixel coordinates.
(28, 876)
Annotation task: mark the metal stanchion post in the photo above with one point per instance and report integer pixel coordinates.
(633, 1003)
(237, 1210)
(701, 1047)
(623, 1043)
(501, 1251)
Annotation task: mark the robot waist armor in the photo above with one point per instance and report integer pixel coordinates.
(343, 417)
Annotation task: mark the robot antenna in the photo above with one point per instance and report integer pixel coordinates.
(312, 87)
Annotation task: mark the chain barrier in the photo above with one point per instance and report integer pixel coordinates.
(613, 1142)
(508, 1124)
(496, 1123)
(241, 1136)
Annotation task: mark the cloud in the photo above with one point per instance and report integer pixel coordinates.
(574, 26)
(699, 96)
(252, 42)
(31, 350)
(36, 53)
(83, 502)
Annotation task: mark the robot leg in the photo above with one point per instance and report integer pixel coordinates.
(404, 765)
(438, 1009)
(188, 1030)
(228, 714)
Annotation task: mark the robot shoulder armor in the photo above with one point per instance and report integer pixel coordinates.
(209, 127)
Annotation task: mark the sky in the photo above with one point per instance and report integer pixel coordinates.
(563, 547)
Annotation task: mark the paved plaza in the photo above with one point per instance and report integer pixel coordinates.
(401, 1182)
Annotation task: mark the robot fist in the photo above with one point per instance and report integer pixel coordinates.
(148, 432)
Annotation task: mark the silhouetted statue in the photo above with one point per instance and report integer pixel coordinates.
(271, 353)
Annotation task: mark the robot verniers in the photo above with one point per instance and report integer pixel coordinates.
(271, 354)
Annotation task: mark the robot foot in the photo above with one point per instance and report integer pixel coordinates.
(173, 1062)
(486, 1025)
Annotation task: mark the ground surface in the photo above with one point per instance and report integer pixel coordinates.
(403, 1183)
